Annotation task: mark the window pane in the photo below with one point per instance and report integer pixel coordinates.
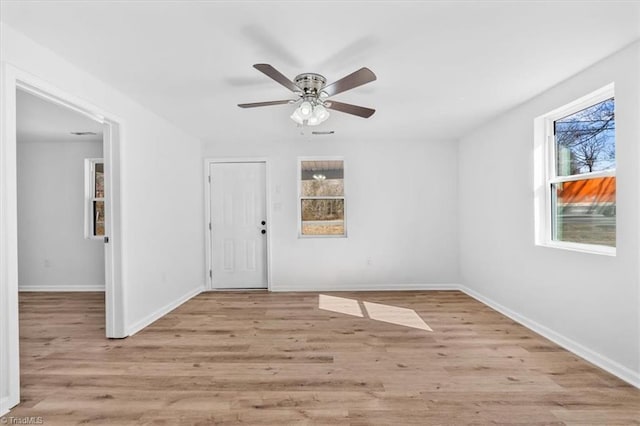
(584, 211)
(98, 218)
(322, 178)
(99, 180)
(585, 140)
(323, 217)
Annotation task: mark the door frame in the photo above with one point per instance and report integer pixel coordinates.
(13, 79)
(207, 214)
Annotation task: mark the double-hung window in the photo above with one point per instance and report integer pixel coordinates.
(94, 198)
(576, 175)
(321, 198)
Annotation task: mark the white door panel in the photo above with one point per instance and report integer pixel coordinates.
(238, 209)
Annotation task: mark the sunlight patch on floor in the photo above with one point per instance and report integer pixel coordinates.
(396, 315)
(376, 311)
(339, 304)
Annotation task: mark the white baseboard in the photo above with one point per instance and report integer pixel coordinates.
(576, 348)
(61, 288)
(366, 287)
(152, 317)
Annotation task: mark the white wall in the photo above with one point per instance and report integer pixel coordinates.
(588, 302)
(162, 186)
(52, 251)
(401, 210)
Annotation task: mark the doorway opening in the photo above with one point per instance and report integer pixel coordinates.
(59, 174)
(60, 228)
(14, 83)
(92, 263)
(61, 260)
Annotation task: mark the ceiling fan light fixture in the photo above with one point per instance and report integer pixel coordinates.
(305, 109)
(320, 113)
(297, 118)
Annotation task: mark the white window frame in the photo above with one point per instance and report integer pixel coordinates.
(545, 173)
(89, 197)
(333, 197)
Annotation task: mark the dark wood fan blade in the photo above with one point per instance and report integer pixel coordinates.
(355, 79)
(273, 73)
(350, 109)
(268, 103)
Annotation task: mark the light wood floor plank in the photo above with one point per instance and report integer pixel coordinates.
(277, 359)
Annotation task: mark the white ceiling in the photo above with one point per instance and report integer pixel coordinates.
(443, 67)
(38, 120)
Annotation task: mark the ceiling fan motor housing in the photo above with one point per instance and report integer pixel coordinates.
(310, 83)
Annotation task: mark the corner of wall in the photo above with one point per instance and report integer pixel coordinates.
(567, 343)
(159, 313)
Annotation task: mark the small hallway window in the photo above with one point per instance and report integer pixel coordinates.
(94, 198)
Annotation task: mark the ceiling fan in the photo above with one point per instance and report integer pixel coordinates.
(313, 92)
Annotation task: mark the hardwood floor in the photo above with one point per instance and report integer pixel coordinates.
(276, 358)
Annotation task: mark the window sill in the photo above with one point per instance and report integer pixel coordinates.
(582, 248)
(300, 236)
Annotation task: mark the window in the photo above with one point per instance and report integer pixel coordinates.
(577, 157)
(94, 198)
(321, 198)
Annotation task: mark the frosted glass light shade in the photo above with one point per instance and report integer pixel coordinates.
(296, 117)
(320, 113)
(309, 114)
(305, 110)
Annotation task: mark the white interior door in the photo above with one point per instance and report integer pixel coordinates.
(238, 218)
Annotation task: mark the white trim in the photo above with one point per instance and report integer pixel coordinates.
(50, 288)
(545, 174)
(9, 332)
(207, 213)
(572, 346)
(267, 189)
(115, 300)
(590, 99)
(579, 247)
(367, 287)
(154, 316)
(207, 232)
(583, 176)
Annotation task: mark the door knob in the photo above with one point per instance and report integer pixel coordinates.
(263, 222)
(264, 231)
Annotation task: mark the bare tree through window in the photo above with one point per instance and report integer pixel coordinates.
(585, 140)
